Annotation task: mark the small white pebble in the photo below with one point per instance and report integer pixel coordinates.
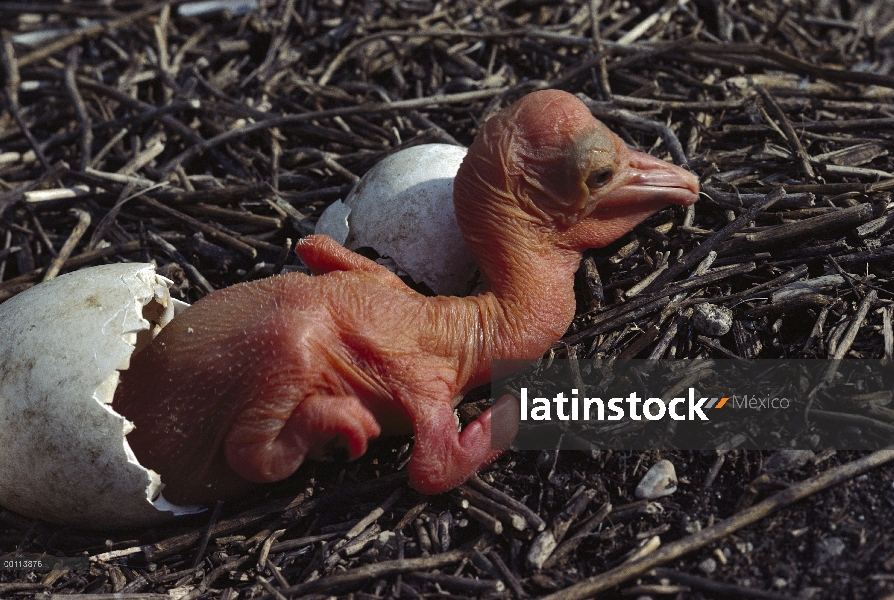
(829, 548)
(707, 566)
(659, 481)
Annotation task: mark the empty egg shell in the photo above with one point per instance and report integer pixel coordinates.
(65, 458)
(403, 209)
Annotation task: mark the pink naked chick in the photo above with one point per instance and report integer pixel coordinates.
(254, 378)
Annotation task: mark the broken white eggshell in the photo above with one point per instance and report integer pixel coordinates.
(64, 454)
(403, 209)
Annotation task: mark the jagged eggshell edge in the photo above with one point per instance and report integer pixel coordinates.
(403, 209)
(64, 455)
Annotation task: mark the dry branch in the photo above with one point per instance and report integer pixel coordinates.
(751, 515)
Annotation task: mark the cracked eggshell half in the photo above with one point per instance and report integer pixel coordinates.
(64, 454)
(403, 209)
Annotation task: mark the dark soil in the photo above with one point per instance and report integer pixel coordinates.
(209, 144)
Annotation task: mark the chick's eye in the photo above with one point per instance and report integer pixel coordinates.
(600, 177)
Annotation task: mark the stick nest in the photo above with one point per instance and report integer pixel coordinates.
(208, 143)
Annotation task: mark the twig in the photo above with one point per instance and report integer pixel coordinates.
(270, 589)
(351, 577)
(695, 256)
(364, 109)
(147, 596)
(507, 574)
(76, 234)
(778, 56)
(545, 543)
(90, 32)
(84, 120)
(500, 511)
(340, 58)
(208, 230)
(888, 333)
(653, 301)
(580, 535)
(852, 419)
(487, 521)
(264, 550)
(9, 198)
(724, 590)
(13, 80)
(533, 519)
(463, 584)
(789, 131)
(194, 274)
(109, 218)
(371, 518)
(709, 535)
(814, 227)
(203, 541)
(715, 470)
(224, 526)
(851, 334)
(410, 516)
(10, 588)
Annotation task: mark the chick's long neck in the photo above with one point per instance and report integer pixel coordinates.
(529, 301)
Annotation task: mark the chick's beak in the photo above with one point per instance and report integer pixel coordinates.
(640, 188)
(646, 180)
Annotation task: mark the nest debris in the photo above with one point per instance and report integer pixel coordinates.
(208, 143)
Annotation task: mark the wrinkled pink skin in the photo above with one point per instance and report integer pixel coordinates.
(253, 379)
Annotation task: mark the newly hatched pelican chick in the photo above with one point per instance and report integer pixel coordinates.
(253, 379)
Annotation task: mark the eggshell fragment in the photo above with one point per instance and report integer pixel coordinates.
(64, 455)
(403, 209)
